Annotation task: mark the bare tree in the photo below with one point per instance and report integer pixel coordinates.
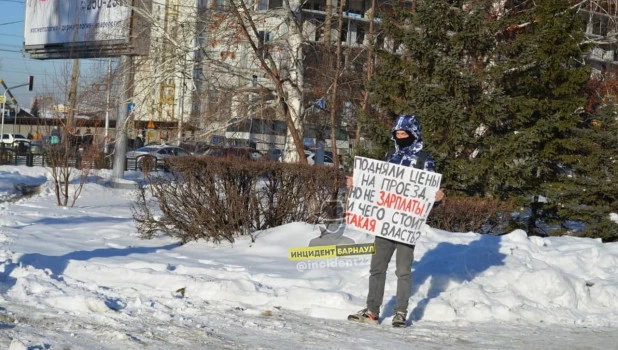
(242, 59)
(261, 53)
(63, 159)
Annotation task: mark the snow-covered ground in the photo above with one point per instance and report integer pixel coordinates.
(80, 278)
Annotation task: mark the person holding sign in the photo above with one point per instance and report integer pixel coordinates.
(407, 153)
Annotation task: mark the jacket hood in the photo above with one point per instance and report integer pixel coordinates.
(410, 124)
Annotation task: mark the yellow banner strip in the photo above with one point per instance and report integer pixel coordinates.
(330, 251)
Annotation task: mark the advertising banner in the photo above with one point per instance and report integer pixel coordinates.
(95, 22)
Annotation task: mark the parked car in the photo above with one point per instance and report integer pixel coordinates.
(11, 138)
(160, 152)
(37, 146)
(235, 152)
(328, 159)
(16, 142)
(195, 148)
(274, 154)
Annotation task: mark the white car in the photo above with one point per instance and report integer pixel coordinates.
(11, 138)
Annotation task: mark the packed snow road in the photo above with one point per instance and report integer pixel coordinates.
(27, 327)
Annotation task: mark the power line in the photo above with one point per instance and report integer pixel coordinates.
(12, 35)
(7, 23)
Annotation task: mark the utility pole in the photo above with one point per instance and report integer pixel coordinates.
(73, 96)
(120, 149)
(182, 101)
(109, 92)
(3, 100)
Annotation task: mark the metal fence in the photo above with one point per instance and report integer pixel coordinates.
(19, 153)
(144, 163)
(34, 155)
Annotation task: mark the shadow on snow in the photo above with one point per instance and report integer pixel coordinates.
(57, 264)
(447, 263)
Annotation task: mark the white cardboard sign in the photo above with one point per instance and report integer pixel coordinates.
(390, 200)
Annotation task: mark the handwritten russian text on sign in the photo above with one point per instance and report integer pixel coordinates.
(390, 200)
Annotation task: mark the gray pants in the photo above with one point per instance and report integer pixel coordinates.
(377, 274)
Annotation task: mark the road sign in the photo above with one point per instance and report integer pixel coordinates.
(2, 99)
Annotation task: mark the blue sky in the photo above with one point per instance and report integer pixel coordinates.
(15, 66)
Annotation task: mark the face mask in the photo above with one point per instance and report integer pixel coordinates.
(402, 143)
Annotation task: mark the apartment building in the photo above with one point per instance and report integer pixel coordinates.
(202, 70)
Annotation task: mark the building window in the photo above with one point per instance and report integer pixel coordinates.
(379, 41)
(263, 38)
(344, 35)
(263, 5)
(360, 35)
(275, 4)
(197, 74)
(599, 26)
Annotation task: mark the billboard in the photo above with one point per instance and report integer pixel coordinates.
(84, 28)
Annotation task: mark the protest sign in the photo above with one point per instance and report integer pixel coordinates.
(390, 200)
